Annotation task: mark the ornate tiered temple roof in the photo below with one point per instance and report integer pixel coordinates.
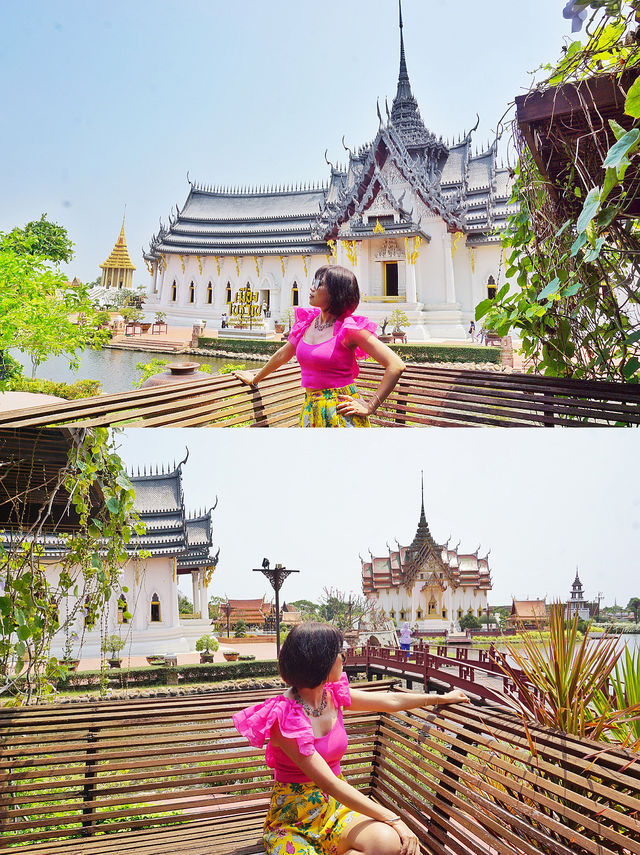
(170, 530)
(437, 562)
(119, 258)
(467, 189)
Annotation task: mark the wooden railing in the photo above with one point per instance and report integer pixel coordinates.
(424, 396)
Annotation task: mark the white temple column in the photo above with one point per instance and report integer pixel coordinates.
(449, 281)
(195, 587)
(411, 295)
(204, 599)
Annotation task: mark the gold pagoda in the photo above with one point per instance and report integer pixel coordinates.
(117, 270)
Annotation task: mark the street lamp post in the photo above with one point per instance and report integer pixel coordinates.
(227, 610)
(276, 575)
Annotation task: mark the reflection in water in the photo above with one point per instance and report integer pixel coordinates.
(116, 369)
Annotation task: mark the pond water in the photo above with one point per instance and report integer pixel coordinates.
(116, 369)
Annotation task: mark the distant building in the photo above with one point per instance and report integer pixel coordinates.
(577, 604)
(417, 218)
(290, 615)
(253, 612)
(528, 614)
(427, 583)
(117, 270)
(179, 544)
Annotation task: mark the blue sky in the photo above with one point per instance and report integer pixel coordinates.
(111, 103)
(542, 501)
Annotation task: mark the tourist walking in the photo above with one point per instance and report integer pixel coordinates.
(405, 637)
(472, 330)
(327, 340)
(312, 808)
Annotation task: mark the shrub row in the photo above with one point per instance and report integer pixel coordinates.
(409, 352)
(226, 345)
(69, 391)
(447, 353)
(163, 675)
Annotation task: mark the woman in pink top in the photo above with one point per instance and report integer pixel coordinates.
(327, 340)
(313, 809)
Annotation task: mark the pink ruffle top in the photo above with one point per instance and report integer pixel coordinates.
(330, 364)
(256, 722)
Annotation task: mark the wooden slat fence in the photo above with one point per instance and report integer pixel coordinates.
(424, 396)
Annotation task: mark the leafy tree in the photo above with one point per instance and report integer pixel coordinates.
(42, 238)
(94, 553)
(634, 606)
(207, 644)
(577, 267)
(307, 609)
(38, 307)
(214, 607)
(185, 606)
(469, 621)
(399, 319)
(240, 629)
(113, 644)
(343, 612)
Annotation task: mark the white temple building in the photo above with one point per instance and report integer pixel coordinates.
(429, 585)
(178, 543)
(416, 217)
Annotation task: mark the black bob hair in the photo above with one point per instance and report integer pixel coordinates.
(344, 294)
(308, 653)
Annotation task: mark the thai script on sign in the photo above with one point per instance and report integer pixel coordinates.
(245, 307)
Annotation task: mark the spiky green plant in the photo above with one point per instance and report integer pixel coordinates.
(624, 692)
(561, 681)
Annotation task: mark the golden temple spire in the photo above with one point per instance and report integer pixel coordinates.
(117, 270)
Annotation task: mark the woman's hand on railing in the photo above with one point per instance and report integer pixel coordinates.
(408, 840)
(246, 377)
(456, 696)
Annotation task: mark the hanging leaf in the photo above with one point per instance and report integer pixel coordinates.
(551, 288)
(619, 150)
(632, 103)
(589, 209)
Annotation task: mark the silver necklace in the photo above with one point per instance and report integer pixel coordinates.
(320, 325)
(314, 711)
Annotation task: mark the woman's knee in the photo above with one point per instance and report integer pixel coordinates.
(375, 838)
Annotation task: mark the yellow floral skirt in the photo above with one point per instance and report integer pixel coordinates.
(302, 820)
(319, 408)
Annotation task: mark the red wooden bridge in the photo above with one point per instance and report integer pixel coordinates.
(476, 672)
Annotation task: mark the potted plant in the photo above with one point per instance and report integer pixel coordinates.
(67, 651)
(279, 326)
(384, 337)
(230, 655)
(399, 321)
(113, 644)
(160, 317)
(206, 646)
(155, 659)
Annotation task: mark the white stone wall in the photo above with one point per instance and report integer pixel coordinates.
(154, 576)
(457, 603)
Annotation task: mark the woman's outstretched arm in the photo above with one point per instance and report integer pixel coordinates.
(279, 358)
(395, 701)
(318, 770)
(393, 368)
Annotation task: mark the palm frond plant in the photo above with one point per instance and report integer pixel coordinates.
(561, 682)
(624, 692)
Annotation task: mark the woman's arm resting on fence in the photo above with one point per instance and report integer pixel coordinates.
(393, 368)
(279, 358)
(317, 770)
(394, 701)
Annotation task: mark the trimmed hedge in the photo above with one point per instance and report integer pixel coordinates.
(409, 352)
(447, 353)
(150, 675)
(227, 345)
(70, 391)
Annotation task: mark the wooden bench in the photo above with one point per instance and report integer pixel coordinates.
(424, 396)
(156, 776)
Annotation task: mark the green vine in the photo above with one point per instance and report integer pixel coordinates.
(574, 250)
(33, 605)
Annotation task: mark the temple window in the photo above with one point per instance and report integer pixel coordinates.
(492, 288)
(294, 294)
(209, 293)
(122, 610)
(432, 607)
(391, 278)
(403, 615)
(444, 614)
(155, 609)
(192, 292)
(459, 613)
(392, 614)
(419, 614)
(174, 291)
(228, 300)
